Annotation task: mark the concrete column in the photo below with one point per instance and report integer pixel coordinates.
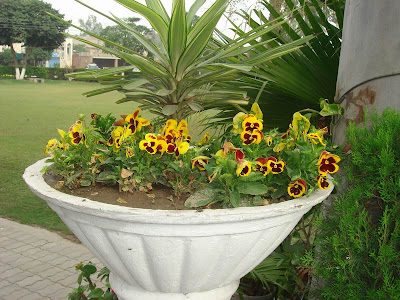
(116, 62)
(369, 66)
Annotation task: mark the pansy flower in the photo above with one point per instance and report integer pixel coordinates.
(300, 125)
(274, 165)
(129, 152)
(76, 133)
(236, 121)
(212, 177)
(279, 147)
(117, 137)
(133, 122)
(205, 139)
(327, 163)
(243, 168)
(250, 123)
(200, 162)
(261, 166)
(251, 137)
(149, 143)
(221, 153)
(178, 148)
(161, 145)
(51, 144)
(268, 140)
(318, 136)
(255, 108)
(297, 188)
(323, 182)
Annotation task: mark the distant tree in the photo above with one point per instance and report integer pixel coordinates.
(125, 38)
(91, 24)
(38, 55)
(26, 22)
(80, 48)
(6, 57)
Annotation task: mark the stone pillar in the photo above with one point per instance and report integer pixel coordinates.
(116, 62)
(369, 66)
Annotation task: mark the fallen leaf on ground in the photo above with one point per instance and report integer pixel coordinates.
(120, 200)
(126, 173)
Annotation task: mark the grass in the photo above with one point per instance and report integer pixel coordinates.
(30, 115)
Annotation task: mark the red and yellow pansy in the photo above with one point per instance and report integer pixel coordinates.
(328, 163)
(149, 143)
(118, 135)
(243, 166)
(297, 188)
(269, 165)
(251, 126)
(200, 162)
(76, 133)
(323, 182)
(133, 122)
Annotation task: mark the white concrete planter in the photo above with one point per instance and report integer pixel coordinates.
(174, 255)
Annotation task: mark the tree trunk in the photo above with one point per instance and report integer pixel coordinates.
(369, 69)
(24, 63)
(16, 64)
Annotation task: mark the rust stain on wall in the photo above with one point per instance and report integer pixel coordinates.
(354, 108)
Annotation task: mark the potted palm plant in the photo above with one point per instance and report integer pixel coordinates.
(184, 254)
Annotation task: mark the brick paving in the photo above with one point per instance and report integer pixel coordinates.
(38, 264)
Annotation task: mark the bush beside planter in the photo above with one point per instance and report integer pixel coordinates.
(173, 255)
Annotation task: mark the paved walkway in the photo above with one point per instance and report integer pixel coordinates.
(36, 264)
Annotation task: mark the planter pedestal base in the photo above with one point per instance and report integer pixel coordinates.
(125, 291)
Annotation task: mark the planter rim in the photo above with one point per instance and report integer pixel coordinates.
(34, 179)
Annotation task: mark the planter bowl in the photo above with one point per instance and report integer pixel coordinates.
(174, 255)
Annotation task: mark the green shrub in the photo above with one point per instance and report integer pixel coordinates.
(41, 72)
(6, 71)
(360, 239)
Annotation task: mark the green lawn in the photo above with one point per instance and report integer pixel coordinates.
(30, 115)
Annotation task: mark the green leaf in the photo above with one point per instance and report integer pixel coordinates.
(143, 40)
(135, 84)
(234, 198)
(101, 91)
(177, 33)
(154, 19)
(169, 109)
(96, 293)
(73, 177)
(192, 12)
(194, 106)
(330, 109)
(216, 9)
(252, 188)
(89, 269)
(197, 45)
(86, 182)
(157, 6)
(240, 67)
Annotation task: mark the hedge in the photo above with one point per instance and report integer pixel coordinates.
(41, 72)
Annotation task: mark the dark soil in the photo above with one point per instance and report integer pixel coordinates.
(159, 197)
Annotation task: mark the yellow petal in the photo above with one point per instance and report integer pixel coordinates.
(255, 108)
(279, 147)
(183, 147)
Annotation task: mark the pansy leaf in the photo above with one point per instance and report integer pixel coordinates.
(252, 188)
(234, 198)
(89, 269)
(96, 293)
